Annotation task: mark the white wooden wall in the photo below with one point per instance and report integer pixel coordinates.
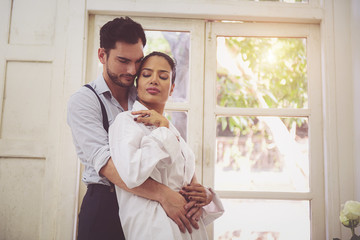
(38, 165)
(42, 62)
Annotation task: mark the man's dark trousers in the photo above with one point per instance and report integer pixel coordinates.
(99, 214)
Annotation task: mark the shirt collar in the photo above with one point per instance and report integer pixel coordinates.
(101, 85)
(138, 106)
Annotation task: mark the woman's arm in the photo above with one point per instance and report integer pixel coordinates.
(134, 157)
(172, 202)
(135, 153)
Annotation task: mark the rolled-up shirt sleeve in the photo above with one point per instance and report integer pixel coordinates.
(136, 154)
(213, 210)
(85, 120)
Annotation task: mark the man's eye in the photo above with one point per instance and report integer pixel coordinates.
(123, 61)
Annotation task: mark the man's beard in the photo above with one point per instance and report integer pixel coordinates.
(116, 79)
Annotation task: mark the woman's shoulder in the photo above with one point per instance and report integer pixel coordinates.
(125, 128)
(124, 117)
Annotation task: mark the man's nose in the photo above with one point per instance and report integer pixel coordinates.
(131, 68)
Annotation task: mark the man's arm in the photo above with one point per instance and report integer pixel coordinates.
(172, 202)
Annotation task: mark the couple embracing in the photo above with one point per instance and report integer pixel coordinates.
(140, 173)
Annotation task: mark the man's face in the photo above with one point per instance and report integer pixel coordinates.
(121, 63)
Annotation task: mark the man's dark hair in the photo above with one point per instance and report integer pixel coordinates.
(121, 30)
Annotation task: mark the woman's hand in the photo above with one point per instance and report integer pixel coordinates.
(197, 192)
(151, 118)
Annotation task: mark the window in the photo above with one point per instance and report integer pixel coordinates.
(263, 118)
(248, 102)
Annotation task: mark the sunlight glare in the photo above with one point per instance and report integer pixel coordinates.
(271, 57)
(225, 58)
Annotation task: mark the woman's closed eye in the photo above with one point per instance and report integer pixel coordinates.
(164, 76)
(146, 75)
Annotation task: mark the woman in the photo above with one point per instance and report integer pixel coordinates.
(144, 144)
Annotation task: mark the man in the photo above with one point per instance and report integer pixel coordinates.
(121, 51)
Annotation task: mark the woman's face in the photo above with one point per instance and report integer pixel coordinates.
(154, 84)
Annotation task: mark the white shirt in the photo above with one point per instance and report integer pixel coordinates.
(140, 152)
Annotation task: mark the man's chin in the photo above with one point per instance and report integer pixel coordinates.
(125, 83)
(128, 84)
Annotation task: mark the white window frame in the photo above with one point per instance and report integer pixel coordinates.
(314, 112)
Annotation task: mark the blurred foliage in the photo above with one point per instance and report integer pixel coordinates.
(155, 41)
(273, 76)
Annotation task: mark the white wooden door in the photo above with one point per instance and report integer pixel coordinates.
(37, 164)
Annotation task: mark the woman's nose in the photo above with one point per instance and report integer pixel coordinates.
(154, 79)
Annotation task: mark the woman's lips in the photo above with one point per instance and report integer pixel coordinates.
(152, 90)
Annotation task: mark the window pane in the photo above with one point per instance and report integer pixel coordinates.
(262, 154)
(177, 45)
(263, 220)
(179, 120)
(257, 72)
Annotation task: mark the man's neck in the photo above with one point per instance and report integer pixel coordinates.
(121, 94)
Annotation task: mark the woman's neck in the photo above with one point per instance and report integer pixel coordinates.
(158, 107)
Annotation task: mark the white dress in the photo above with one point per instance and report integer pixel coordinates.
(140, 152)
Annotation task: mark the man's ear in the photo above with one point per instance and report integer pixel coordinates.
(102, 55)
(172, 89)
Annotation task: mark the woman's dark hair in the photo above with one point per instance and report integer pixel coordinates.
(166, 57)
(121, 30)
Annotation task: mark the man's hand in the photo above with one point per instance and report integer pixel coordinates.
(173, 204)
(193, 213)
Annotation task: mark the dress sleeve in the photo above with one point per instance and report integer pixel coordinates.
(136, 154)
(213, 210)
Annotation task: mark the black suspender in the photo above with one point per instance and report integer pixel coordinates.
(103, 110)
(105, 121)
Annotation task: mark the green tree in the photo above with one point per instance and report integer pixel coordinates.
(273, 75)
